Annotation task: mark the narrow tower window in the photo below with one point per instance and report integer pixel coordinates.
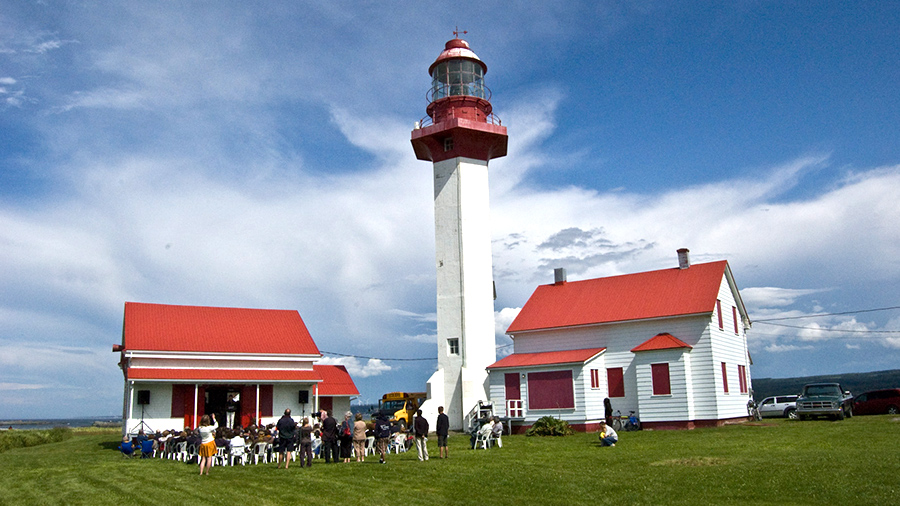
(453, 345)
(448, 144)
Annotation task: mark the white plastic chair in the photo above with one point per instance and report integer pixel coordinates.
(398, 443)
(370, 445)
(219, 457)
(261, 452)
(239, 452)
(180, 452)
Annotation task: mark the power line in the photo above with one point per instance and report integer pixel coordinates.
(825, 314)
(378, 358)
(833, 330)
(394, 359)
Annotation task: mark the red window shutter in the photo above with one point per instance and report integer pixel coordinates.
(511, 380)
(265, 400)
(180, 394)
(248, 405)
(725, 376)
(615, 382)
(719, 311)
(550, 390)
(735, 318)
(326, 403)
(660, 377)
(742, 378)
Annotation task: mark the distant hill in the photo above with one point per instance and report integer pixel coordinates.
(857, 383)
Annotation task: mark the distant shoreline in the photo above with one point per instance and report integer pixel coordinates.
(49, 423)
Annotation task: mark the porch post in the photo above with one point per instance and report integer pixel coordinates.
(196, 394)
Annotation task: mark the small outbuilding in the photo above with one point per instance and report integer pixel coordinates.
(244, 365)
(669, 345)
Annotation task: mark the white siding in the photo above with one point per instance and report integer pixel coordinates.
(696, 374)
(662, 408)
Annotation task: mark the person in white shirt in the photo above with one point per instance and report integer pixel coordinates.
(608, 436)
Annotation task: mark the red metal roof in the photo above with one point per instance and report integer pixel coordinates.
(663, 341)
(653, 294)
(335, 380)
(546, 358)
(161, 327)
(236, 375)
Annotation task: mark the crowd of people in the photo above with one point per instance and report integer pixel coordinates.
(319, 435)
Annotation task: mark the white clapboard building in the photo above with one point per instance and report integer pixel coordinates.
(181, 362)
(669, 345)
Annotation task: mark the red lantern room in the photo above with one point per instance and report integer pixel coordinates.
(460, 121)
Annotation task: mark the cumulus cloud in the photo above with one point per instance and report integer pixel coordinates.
(764, 298)
(356, 368)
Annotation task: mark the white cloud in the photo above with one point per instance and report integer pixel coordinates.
(765, 297)
(783, 348)
(503, 319)
(8, 387)
(372, 367)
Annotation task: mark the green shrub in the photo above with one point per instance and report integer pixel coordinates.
(10, 439)
(549, 426)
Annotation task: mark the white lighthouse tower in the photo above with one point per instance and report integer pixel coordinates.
(460, 136)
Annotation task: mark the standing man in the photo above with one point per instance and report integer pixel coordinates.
(421, 432)
(231, 408)
(329, 438)
(287, 428)
(443, 430)
(382, 434)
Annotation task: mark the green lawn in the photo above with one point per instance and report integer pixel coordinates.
(855, 461)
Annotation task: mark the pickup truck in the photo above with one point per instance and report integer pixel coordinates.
(824, 399)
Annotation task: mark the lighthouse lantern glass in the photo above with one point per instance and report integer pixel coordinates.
(457, 77)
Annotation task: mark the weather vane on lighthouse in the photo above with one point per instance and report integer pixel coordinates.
(463, 135)
(457, 32)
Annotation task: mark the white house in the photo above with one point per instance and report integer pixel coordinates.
(181, 362)
(668, 344)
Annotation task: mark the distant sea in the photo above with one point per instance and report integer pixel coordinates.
(50, 423)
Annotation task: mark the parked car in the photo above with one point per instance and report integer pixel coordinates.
(824, 399)
(779, 406)
(878, 402)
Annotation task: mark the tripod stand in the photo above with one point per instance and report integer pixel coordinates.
(141, 426)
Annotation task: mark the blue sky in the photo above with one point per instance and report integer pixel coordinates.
(218, 153)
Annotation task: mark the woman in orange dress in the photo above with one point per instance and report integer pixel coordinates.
(207, 442)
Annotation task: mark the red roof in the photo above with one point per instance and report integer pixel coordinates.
(236, 375)
(654, 294)
(546, 358)
(661, 342)
(335, 380)
(161, 327)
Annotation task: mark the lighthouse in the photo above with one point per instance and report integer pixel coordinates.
(460, 136)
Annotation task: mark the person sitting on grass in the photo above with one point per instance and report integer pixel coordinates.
(608, 436)
(127, 448)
